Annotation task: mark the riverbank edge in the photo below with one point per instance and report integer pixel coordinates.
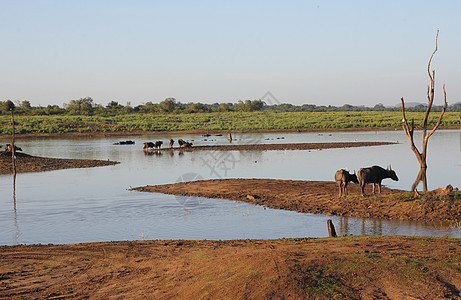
(321, 197)
(71, 135)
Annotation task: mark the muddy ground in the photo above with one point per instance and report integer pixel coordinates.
(321, 197)
(328, 268)
(28, 163)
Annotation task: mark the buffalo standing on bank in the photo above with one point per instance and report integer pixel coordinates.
(375, 175)
(342, 178)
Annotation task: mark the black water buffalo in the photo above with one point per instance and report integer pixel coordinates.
(148, 145)
(124, 143)
(9, 148)
(171, 142)
(342, 178)
(184, 144)
(158, 144)
(375, 175)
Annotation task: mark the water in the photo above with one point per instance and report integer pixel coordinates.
(95, 204)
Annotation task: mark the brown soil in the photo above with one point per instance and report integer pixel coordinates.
(328, 268)
(28, 163)
(320, 197)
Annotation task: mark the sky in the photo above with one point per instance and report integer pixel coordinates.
(298, 52)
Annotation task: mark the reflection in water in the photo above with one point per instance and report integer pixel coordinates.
(422, 177)
(362, 226)
(153, 152)
(15, 210)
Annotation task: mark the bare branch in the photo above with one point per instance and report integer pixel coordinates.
(409, 130)
(430, 59)
(441, 114)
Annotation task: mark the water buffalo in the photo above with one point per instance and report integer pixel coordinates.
(9, 148)
(124, 143)
(171, 142)
(158, 144)
(375, 175)
(342, 178)
(148, 145)
(184, 144)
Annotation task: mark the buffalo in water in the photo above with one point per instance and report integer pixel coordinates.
(156, 145)
(184, 144)
(9, 148)
(124, 143)
(342, 178)
(375, 175)
(148, 145)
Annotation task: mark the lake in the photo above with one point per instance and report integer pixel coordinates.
(96, 204)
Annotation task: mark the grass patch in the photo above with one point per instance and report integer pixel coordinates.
(225, 121)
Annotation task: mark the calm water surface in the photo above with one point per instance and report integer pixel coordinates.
(95, 204)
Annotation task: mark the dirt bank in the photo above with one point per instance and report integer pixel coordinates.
(28, 163)
(320, 197)
(329, 268)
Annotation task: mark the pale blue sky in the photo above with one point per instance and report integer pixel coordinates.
(303, 52)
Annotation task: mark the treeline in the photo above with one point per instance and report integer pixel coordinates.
(86, 106)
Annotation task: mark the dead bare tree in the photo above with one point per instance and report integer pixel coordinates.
(410, 128)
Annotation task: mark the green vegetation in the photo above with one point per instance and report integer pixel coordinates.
(87, 107)
(256, 120)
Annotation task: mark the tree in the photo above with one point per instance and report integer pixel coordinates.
(168, 105)
(224, 107)
(82, 106)
(409, 128)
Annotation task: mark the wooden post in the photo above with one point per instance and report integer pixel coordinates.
(12, 145)
(331, 229)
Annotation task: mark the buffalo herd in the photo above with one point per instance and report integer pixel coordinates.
(373, 175)
(158, 144)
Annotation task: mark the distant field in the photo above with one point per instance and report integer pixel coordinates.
(217, 121)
